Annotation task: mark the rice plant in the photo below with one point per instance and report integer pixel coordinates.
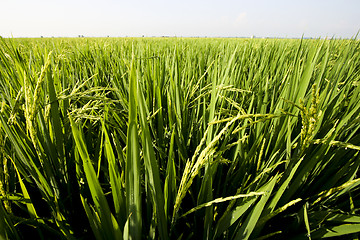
(175, 138)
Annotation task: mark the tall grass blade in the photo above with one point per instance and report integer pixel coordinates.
(248, 226)
(132, 169)
(109, 228)
(152, 168)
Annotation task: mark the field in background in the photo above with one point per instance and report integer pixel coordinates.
(121, 138)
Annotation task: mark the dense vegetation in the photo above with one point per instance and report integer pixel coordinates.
(179, 138)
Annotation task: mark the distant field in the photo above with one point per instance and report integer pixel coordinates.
(179, 138)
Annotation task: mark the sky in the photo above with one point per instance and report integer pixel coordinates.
(186, 18)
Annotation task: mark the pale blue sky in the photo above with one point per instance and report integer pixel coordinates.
(277, 18)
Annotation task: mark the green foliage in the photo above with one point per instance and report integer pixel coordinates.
(123, 138)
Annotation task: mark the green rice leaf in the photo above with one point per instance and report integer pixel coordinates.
(336, 231)
(132, 172)
(152, 168)
(109, 227)
(249, 224)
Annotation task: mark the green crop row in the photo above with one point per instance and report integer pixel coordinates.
(179, 138)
